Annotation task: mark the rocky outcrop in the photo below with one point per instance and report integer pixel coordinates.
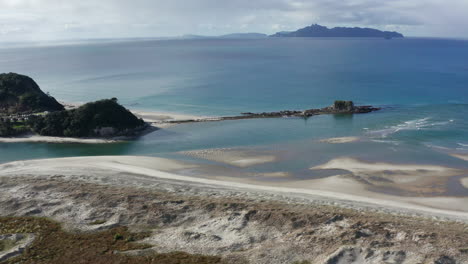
(339, 107)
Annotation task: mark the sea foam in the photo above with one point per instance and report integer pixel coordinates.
(416, 124)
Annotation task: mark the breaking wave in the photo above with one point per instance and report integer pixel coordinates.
(416, 124)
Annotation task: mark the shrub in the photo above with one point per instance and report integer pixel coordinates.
(343, 105)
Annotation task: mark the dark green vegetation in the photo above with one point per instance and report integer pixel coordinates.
(12, 128)
(321, 31)
(55, 246)
(24, 107)
(20, 94)
(343, 105)
(98, 119)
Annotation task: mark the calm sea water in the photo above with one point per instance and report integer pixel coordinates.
(421, 83)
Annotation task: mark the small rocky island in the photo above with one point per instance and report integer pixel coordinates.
(24, 109)
(338, 107)
(319, 31)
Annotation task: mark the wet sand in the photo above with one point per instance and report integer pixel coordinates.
(340, 140)
(461, 156)
(232, 157)
(464, 182)
(340, 190)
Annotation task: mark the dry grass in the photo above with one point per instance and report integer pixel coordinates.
(55, 246)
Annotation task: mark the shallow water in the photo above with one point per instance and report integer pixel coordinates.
(422, 85)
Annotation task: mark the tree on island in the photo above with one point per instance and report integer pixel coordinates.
(343, 106)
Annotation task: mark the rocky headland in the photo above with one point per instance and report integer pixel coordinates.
(19, 94)
(26, 109)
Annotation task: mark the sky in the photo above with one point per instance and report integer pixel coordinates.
(33, 20)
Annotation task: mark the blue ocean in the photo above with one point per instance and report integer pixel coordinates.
(421, 85)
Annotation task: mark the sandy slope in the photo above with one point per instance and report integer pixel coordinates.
(331, 220)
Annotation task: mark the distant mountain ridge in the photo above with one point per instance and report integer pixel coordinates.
(322, 31)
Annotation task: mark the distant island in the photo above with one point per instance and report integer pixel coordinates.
(25, 108)
(354, 32)
(313, 31)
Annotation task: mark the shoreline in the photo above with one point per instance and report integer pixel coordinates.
(157, 120)
(34, 138)
(169, 118)
(161, 169)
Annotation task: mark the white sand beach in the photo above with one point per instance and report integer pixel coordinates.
(334, 190)
(156, 119)
(150, 116)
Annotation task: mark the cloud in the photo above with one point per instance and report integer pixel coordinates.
(58, 19)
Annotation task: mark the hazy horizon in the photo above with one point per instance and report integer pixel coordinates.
(45, 20)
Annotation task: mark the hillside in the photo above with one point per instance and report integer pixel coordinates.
(21, 94)
(321, 31)
(104, 118)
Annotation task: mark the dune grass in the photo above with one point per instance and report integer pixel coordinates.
(53, 245)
